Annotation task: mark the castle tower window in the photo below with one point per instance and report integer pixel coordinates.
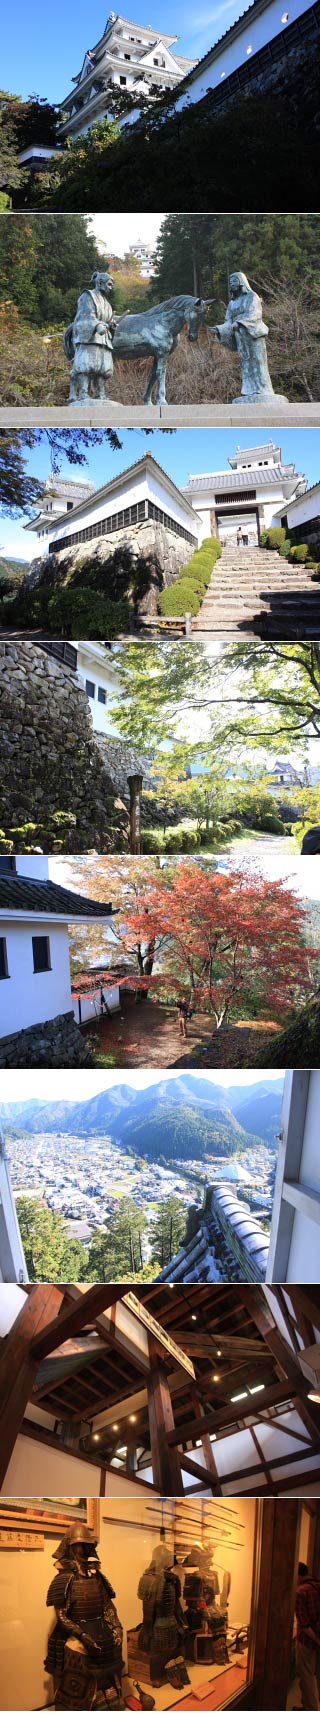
(102, 695)
(122, 80)
(90, 688)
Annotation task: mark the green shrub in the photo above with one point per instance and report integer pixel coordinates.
(87, 612)
(152, 840)
(181, 598)
(274, 537)
(284, 548)
(299, 554)
(200, 577)
(271, 824)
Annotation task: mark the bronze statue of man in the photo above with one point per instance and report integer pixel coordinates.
(245, 331)
(88, 341)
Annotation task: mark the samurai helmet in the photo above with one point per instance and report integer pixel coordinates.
(77, 1535)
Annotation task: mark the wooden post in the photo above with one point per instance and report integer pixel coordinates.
(18, 1364)
(205, 1439)
(135, 788)
(279, 1557)
(131, 1454)
(165, 1459)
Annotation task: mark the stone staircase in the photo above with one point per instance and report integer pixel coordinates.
(255, 591)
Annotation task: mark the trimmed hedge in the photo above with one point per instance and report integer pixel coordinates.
(274, 537)
(300, 553)
(186, 594)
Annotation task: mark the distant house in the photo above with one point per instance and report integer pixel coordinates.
(35, 981)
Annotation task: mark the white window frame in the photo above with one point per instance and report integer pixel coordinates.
(290, 1193)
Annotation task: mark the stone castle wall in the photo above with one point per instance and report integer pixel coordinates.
(58, 1043)
(147, 540)
(50, 762)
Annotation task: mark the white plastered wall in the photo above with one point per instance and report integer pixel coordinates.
(27, 998)
(255, 33)
(136, 488)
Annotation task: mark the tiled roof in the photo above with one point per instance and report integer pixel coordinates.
(224, 480)
(23, 893)
(311, 490)
(256, 452)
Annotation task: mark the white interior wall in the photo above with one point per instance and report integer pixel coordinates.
(125, 1550)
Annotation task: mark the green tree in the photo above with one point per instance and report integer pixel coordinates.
(19, 491)
(116, 1252)
(49, 1251)
(168, 1231)
(44, 263)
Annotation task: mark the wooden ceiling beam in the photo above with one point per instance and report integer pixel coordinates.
(18, 1364)
(73, 1318)
(231, 1415)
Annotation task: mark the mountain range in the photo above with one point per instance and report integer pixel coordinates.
(183, 1117)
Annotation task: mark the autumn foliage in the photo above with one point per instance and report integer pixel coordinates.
(222, 937)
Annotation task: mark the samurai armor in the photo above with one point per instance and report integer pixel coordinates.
(85, 1610)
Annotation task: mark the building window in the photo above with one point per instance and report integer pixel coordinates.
(3, 958)
(41, 953)
(69, 505)
(6, 864)
(102, 695)
(90, 688)
(122, 80)
(119, 521)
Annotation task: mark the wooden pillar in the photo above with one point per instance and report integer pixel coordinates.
(131, 1453)
(135, 788)
(165, 1460)
(205, 1438)
(276, 1600)
(18, 1366)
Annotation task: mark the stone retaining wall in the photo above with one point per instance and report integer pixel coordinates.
(147, 540)
(50, 761)
(57, 1043)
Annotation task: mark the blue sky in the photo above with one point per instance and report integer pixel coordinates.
(66, 1086)
(41, 53)
(186, 450)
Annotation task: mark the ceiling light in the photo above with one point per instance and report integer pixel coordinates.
(198, 1443)
(132, 1420)
(235, 1396)
(219, 1354)
(96, 1437)
(212, 1437)
(115, 1426)
(315, 1397)
(222, 74)
(193, 1318)
(258, 1389)
(215, 1378)
(122, 1449)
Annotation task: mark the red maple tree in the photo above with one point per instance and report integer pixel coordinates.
(222, 936)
